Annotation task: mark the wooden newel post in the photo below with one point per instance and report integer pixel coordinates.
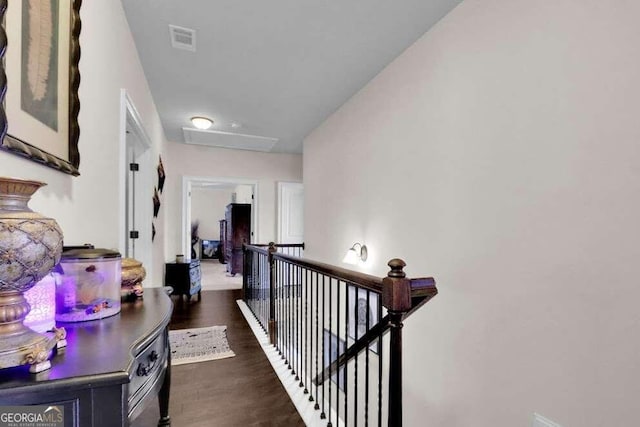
(272, 294)
(396, 297)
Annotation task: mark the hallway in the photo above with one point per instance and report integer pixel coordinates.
(215, 276)
(238, 391)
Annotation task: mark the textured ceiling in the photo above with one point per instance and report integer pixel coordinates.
(278, 68)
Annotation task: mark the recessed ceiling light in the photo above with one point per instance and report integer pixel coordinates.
(201, 122)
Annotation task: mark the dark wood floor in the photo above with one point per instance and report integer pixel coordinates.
(239, 391)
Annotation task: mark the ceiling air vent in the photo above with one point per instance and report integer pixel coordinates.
(182, 38)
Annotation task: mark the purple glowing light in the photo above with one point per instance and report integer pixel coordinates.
(42, 299)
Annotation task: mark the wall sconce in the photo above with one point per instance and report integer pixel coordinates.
(356, 253)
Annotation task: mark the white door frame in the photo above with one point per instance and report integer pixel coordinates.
(130, 120)
(187, 184)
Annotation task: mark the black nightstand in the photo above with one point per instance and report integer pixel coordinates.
(184, 278)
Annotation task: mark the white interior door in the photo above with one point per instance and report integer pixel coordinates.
(290, 212)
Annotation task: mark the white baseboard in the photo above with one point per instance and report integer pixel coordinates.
(309, 415)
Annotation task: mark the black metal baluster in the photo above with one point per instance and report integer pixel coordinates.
(323, 414)
(293, 320)
(256, 300)
(258, 288)
(317, 406)
(294, 344)
(247, 291)
(285, 309)
(281, 318)
(267, 299)
(299, 335)
(303, 323)
(346, 344)
(289, 314)
(380, 361)
(366, 365)
(254, 308)
(257, 279)
(263, 289)
(245, 288)
(254, 291)
(263, 292)
(356, 317)
(330, 345)
(276, 303)
(293, 301)
(246, 278)
(338, 352)
(300, 297)
(297, 325)
(296, 329)
(308, 373)
(300, 328)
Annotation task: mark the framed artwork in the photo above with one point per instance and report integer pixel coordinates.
(156, 202)
(333, 347)
(358, 314)
(39, 112)
(161, 175)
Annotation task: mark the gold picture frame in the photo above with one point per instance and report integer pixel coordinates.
(39, 80)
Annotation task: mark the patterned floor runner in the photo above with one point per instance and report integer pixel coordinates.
(199, 345)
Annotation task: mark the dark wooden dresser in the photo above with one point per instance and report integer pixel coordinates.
(238, 232)
(109, 370)
(223, 240)
(184, 278)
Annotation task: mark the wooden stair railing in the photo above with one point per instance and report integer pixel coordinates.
(422, 290)
(279, 289)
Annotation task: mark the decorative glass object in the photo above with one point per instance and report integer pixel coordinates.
(90, 285)
(30, 246)
(42, 299)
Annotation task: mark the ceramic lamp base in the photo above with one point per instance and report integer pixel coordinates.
(28, 347)
(31, 247)
(20, 345)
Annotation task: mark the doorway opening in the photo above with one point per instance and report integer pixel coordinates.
(234, 190)
(136, 174)
(204, 211)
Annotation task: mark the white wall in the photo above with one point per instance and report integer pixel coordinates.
(208, 207)
(500, 154)
(244, 193)
(88, 207)
(196, 160)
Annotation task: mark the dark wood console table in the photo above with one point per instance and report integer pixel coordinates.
(109, 370)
